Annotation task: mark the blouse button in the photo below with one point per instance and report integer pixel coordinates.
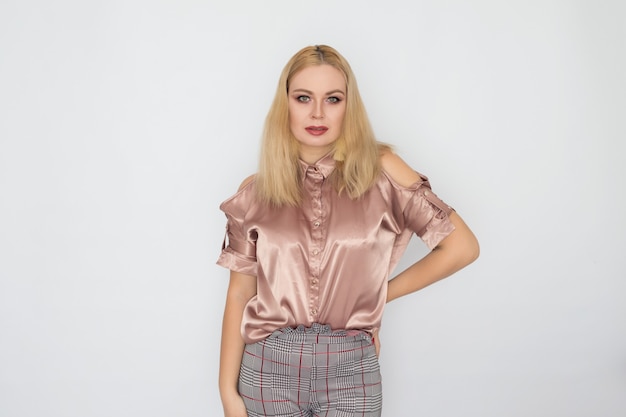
(315, 251)
(313, 311)
(316, 223)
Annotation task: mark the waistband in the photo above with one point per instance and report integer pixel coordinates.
(319, 333)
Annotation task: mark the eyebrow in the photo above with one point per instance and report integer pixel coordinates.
(302, 90)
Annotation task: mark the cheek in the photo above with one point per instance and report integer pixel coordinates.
(294, 114)
(340, 115)
(294, 120)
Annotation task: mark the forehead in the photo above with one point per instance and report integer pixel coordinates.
(321, 78)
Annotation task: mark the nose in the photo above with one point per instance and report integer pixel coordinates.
(317, 112)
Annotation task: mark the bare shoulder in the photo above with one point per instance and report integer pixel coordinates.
(397, 169)
(247, 181)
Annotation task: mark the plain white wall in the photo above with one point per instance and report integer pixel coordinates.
(124, 124)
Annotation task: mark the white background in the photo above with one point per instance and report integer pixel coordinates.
(124, 124)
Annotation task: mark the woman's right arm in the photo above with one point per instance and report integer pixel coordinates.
(241, 289)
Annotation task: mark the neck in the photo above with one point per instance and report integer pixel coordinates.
(311, 155)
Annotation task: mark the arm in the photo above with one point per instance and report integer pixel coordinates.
(458, 249)
(240, 290)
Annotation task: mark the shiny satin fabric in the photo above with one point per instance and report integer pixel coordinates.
(327, 261)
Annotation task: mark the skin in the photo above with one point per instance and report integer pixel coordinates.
(240, 290)
(316, 98)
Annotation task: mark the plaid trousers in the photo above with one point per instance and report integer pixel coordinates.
(311, 371)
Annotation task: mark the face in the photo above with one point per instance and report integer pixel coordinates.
(317, 105)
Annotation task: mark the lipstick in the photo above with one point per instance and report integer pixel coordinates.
(316, 130)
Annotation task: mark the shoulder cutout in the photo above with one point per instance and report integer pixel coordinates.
(246, 182)
(397, 169)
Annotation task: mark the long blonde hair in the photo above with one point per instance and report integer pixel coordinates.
(356, 151)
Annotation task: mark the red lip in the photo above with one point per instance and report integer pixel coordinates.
(316, 130)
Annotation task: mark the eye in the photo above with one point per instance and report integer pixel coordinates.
(303, 99)
(333, 100)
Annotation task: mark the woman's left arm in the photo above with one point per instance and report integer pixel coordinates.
(457, 250)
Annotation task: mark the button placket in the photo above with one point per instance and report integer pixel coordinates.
(315, 182)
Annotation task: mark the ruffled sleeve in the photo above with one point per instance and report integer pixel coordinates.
(239, 247)
(423, 212)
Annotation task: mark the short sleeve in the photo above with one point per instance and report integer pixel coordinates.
(427, 215)
(423, 212)
(239, 247)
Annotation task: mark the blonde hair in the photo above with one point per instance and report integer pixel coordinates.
(356, 151)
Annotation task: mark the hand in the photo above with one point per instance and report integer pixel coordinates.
(376, 341)
(234, 406)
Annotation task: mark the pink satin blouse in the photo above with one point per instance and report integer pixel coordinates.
(327, 261)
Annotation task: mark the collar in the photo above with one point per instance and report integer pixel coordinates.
(325, 165)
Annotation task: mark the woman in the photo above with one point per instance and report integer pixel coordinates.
(312, 239)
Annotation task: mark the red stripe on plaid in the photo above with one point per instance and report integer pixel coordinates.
(262, 373)
(300, 373)
(363, 382)
(327, 367)
(261, 400)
